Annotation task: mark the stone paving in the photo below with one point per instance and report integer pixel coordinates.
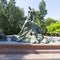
(43, 56)
(29, 52)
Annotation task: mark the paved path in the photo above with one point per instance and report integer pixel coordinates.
(29, 52)
(42, 56)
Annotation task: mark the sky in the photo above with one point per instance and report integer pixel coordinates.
(52, 6)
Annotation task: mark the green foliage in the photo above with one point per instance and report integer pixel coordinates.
(11, 17)
(3, 16)
(1, 30)
(53, 28)
(40, 16)
(42, 10)
(38, 22)
(48, 21)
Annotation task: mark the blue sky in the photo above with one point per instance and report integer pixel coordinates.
(53, 6)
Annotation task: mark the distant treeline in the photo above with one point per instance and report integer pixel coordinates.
(12, 18)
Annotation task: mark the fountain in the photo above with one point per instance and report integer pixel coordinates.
(30, 33)
(41, 47)
(2, 37)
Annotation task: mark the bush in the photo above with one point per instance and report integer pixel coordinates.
(53, 28)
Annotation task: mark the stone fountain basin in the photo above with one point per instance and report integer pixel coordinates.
(18, 47)
(30, 51)
(29, 48)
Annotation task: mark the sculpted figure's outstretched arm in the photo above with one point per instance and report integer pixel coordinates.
(24, 25)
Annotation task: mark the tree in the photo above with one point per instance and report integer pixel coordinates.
(48, 21)
(53, 28)
(42, 10)
(3, 16)
(11, 17)
(41, 14)
(15, 16)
